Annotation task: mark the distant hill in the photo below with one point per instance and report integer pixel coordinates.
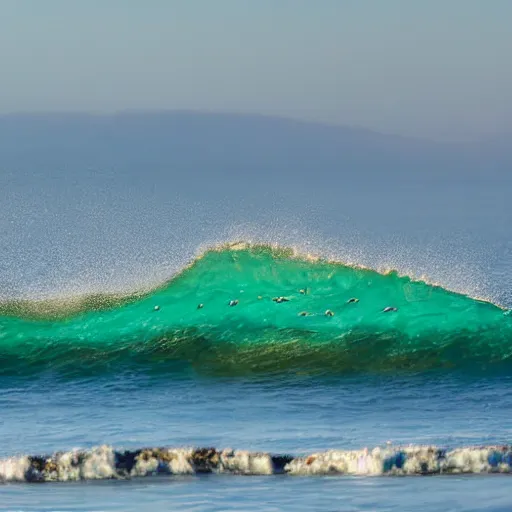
(185, 147)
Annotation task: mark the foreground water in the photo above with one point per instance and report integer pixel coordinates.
(457, 494)
(298, 415)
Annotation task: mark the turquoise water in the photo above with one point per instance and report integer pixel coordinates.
(248, 309)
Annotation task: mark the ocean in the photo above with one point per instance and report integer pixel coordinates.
(336, 344)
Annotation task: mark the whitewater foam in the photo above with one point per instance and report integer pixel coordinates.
(104, 463)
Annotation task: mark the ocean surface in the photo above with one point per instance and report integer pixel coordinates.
(346, 349)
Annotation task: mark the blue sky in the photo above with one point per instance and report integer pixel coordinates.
(437, 68)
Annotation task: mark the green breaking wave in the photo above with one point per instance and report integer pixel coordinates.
(287, 313)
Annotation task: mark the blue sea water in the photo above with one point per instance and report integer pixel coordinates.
(296, 415)
(100, 232)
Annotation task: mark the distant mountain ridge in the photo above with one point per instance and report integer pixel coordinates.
(232, 146)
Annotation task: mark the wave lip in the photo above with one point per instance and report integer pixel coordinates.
(104, 462)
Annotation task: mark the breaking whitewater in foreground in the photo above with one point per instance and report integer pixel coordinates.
(104, 462)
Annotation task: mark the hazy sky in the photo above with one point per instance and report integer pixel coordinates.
(438, 68)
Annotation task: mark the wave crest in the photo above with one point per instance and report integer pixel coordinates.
(262, 308)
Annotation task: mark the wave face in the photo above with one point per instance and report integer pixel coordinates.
(244, 309)
(104, 462)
